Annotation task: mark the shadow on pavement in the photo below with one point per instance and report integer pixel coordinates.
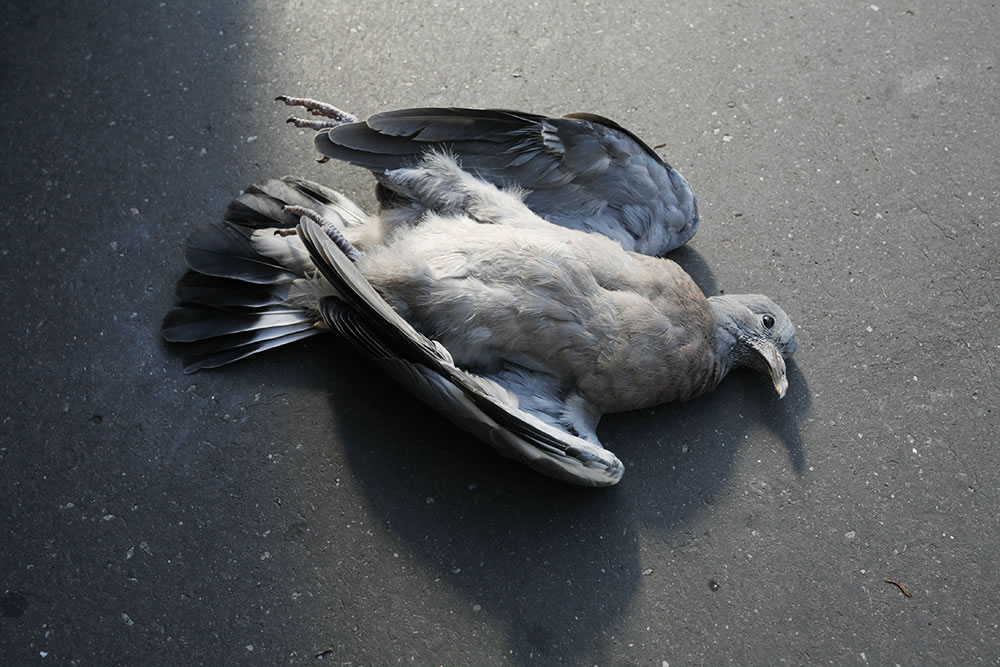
(555, 564)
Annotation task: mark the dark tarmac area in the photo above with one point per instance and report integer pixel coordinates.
(299, 508)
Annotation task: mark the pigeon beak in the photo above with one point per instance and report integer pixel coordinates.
(773, 362)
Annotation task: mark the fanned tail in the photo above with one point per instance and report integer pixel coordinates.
(251, 285)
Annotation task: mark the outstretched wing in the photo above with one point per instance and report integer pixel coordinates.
(474, 403)
(582, 171)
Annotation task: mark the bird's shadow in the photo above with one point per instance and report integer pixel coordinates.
(695, 265)
(552, 563)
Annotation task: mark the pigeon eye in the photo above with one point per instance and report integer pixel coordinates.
(768, 321)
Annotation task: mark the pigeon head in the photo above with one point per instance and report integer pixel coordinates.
(754, 333)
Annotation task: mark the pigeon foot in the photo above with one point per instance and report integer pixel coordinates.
(333, 115)
(330, 228)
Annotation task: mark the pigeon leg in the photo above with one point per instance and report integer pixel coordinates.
(334, 115)
(313, 124)
(330, 228)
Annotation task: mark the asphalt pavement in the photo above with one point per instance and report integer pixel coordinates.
(299, 508)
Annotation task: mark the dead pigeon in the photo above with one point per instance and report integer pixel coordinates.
(580, 171)
(522, 332)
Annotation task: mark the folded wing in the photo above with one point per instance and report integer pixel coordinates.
(474, 403)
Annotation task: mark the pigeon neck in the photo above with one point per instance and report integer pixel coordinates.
(726, 338)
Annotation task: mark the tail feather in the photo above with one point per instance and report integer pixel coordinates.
(205, 290)
(226, 250)
(350, 213)
(215, 344)
(262, 205)
(187, 324)
(252, 287)
(194, 362)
